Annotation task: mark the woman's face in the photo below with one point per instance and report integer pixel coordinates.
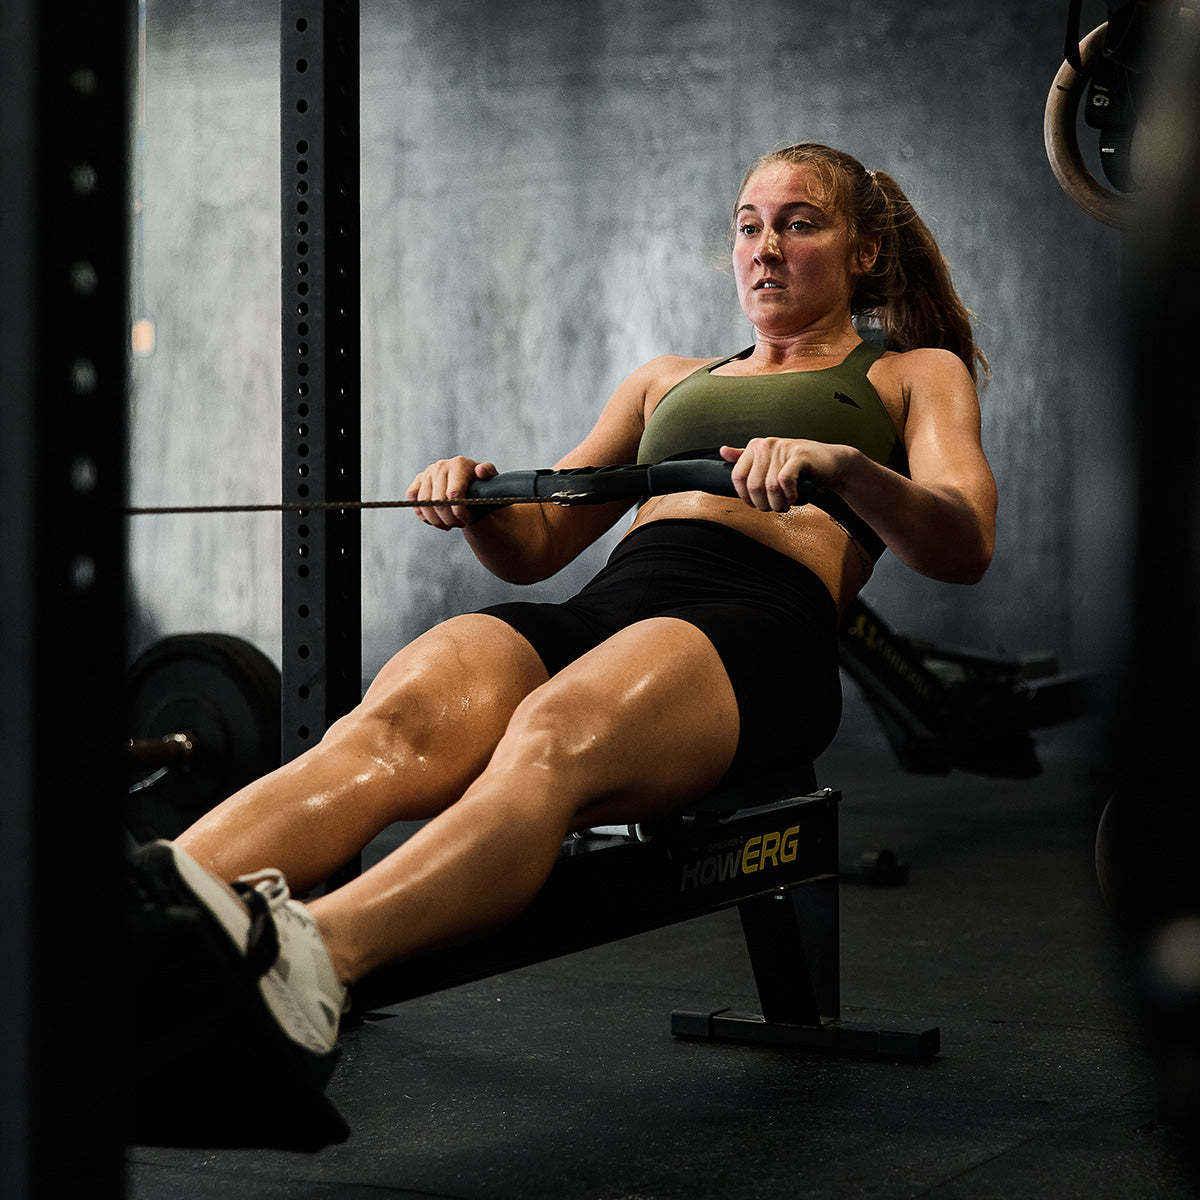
(792, 258)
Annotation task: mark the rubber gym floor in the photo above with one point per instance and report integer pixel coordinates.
(562, 1080)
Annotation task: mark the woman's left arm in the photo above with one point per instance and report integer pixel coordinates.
(942, 521)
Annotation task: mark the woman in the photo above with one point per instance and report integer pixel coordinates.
(685, 659)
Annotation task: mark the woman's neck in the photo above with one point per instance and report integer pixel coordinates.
(775, 354)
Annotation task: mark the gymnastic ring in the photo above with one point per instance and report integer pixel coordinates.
(1062, 140)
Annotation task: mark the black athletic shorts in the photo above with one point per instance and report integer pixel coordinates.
(771, 620)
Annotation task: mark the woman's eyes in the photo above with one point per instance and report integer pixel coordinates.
(798, 224)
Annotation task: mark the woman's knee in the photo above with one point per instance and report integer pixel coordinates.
(559, 724)
(565, 746)
(433, 715)
(466, 674)
(630, 722)
(391, 727)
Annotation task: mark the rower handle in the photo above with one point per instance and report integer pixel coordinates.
(505, 485)
(707, 475)
(599, 485)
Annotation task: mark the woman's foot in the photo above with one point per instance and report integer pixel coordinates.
(277, 935)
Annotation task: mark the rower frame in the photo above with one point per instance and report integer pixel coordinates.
(776, 862)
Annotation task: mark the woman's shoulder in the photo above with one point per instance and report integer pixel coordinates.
(922, 379)
(661, 374)
(668, 366)
(923, 364)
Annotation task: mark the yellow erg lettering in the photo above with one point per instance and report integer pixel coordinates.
(789, 845)
(750, 856)
(770, 848)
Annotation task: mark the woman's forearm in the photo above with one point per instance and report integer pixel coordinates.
(513, 543)
(526, 543)
(941, 531)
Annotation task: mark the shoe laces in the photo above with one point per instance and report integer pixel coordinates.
(270, 885)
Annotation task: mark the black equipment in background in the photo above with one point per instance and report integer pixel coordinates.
(1118, 78)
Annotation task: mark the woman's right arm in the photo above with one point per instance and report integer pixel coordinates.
(524, 543)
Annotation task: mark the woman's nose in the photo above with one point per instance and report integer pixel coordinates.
(768, 246)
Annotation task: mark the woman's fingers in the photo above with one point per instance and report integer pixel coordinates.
(767, 471)
(447, 479)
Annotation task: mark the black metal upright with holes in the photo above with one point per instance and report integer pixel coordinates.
(64, 133)
(319, 169)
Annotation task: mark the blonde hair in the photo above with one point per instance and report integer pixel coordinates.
(907, 292)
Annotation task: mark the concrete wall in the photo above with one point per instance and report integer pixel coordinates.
(545, 186)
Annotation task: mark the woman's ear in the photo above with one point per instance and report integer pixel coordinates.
(868, 252)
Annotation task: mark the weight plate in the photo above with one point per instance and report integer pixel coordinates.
(222, 691)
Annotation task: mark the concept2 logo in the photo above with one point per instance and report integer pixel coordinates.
(741, 858)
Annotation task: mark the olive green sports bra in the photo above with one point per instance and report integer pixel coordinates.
(837, 405)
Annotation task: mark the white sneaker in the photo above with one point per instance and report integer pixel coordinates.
(299, 986)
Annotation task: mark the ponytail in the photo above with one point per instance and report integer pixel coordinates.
(907, 293)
